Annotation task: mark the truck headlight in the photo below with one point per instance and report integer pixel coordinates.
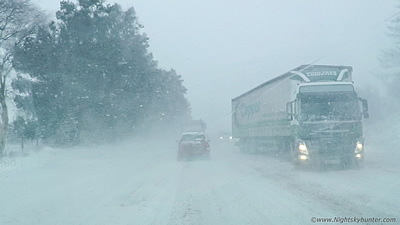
(359, 147)
(303, 157)
(303, 148)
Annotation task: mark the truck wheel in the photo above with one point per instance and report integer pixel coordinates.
(293, 153)
(294, 160)
(252, 148)
(357, 164)
(285, 151)
(347, 162)
(243, 149)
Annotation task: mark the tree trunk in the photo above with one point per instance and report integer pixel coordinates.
(3, 124)
(22, 144)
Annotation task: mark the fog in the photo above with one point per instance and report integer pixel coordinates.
(224, 48)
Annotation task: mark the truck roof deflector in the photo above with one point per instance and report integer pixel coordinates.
(304, 77)
(340, 77)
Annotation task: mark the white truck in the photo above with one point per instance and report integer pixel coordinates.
(311, 113)
(193, 126)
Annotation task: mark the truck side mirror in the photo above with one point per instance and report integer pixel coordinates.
(365, 108)
(289, 111)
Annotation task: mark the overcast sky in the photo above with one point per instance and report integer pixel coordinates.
(223, 48)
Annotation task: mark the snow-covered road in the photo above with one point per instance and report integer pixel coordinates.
(144, 184)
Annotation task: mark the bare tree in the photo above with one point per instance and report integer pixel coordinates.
(18, 19)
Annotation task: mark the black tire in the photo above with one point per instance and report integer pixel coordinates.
(285, 151)
(293, 156)
(243, 149)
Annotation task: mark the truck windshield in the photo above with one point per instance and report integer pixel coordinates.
(329, 107)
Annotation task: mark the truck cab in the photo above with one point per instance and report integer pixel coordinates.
(326, 120)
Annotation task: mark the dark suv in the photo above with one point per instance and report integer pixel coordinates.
(193, 144)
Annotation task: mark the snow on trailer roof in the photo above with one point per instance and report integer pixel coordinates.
(290, 73)
(285, 75)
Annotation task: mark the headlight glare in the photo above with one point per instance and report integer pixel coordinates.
(359, 147)
(303, 148)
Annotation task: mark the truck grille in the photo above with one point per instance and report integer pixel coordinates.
(331, 149)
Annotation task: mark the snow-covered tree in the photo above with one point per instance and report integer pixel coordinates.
(96, 76)
(390, 60)
(18, 19)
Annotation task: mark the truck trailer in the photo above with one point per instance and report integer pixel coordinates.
(312, 114)
(193, 126)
